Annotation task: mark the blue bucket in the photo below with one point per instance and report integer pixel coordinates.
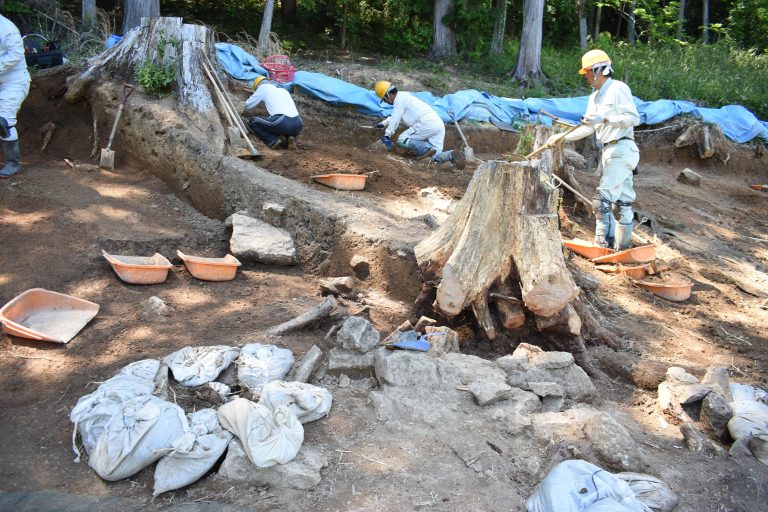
(112, 40)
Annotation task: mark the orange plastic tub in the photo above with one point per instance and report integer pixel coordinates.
(44, 315)
(342, 181)
(674, 292)
(634, 271)
(586, 249)
(140, 269)
(642, 254)
(211, 269)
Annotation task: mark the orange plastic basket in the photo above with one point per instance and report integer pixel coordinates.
(280, 68)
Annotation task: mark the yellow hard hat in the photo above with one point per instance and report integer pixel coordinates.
(591, 58)
(257, 81)
(382, 87)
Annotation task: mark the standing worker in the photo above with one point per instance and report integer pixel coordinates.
(14, 86)
(610, 115)
(283, 121)
(426, 131)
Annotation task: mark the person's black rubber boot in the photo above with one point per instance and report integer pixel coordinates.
(4, 128)
(427, 154)
(12, 156)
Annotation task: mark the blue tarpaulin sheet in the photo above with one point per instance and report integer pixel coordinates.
(737, 123)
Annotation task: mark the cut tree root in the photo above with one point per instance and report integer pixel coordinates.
(318, 313)
(502, 243)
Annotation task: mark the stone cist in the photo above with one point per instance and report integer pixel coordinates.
(14, 86)
(611, 115)
(425, 134)
(284, 123)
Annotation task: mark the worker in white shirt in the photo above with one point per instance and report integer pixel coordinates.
(14, 86)
(284, 123)
(611, 115)
(426, 131)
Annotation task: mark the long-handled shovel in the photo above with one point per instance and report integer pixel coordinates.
(469, 153)
(107, 154)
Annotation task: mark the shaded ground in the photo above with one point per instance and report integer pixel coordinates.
(54, 221)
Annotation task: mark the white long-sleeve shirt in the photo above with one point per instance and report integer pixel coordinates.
(277, 100)
(410, 110)
(613, 101)
(13, 66)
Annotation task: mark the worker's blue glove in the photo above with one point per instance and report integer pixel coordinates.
(379, 125)
(387, 142)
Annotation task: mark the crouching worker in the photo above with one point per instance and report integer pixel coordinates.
(14, 86)
(426, 131)
(283, 124)
(610, 115)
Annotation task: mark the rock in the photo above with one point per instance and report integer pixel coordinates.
(670, 405)
(360, 266)
(155, 309)
(514, 412)
(574, 158)
(228, 221)
(443, 343)
(358, 334)
(759, 446)
(344, 286)
(273, 213)
(463, 370)
(698, 442)
(551, 360)
(303, 472)
(254, 240)
(717, 380)
(405, 368)
(612, 442)
(689, 177)
(302, 370)
(679, 376)
(715, 413)
(344, 381)
(423, 322)
(340, 359)
(487, 392)
(685, 386)
(529, 363)
(228, 376)
(551, 395)
(558, 425)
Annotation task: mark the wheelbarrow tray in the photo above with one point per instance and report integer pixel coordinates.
(342, 181)
(641, 254)
(210, 269)
(140, 269)
(586, 249)
(44, 315)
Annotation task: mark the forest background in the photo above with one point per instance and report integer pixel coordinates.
(710, 53)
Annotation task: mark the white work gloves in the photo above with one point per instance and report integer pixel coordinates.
(555, 140)
(594, 120)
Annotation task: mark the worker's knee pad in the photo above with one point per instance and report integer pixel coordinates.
(601, 205)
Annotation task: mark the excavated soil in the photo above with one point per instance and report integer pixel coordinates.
(55, 220)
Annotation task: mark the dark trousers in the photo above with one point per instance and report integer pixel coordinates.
(269, 129)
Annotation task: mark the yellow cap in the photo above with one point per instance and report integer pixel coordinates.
(257, 81)
(382, 88)
(591, 58)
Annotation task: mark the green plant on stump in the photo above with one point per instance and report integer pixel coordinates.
(158, 79)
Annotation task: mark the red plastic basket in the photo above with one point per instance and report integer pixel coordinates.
(280, 68)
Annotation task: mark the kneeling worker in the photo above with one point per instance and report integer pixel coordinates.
(283, 121)
(14, 86)
(426, 131)
(610, 115)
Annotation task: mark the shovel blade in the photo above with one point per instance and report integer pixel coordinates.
(107, 159)
(469, 154)
(418, 345)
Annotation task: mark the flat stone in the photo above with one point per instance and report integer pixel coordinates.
(405, 368)
(689, 177)
(511, 363)
(442, 344)
(155, 309)
(612, 442)
(254, 240)
(303, 472)
(487, 392)
(551, 360)
(574, 381)
(569, 423)
(718, 380)
(358, 334)
(552, 403)
(759, 446)
(715, 413)
(680, 376)
(340, 359)
(670, 405)
(462, 370)
(689, 393)
(696, 441)
(543, 389)
(423, 322)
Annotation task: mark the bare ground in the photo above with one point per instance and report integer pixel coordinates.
(54, 221)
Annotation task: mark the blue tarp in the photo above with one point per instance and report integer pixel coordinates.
(737, 123)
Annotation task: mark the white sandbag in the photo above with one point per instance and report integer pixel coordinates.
(578, 486)
(140, 432)
(268, 436)
(194, 366)
(650, 491)
(92, 412)
(224, 391)
(178, 469)
(744, 392)
(750, 419)
(259, 364)
(307, 402)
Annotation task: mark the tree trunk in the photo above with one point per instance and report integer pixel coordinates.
(88, 11)
(705, 21)
(443, 42)
(528, 68)
(681, 24)
(288, 10)
(499, 26)
(266, 26)
(598, 14)
(580, 5)
(137, 9)
(631, 36)
(344, 25)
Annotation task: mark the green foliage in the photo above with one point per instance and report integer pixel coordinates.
(748, 22)
(472, 24)
(15, 8)
(157, 77)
